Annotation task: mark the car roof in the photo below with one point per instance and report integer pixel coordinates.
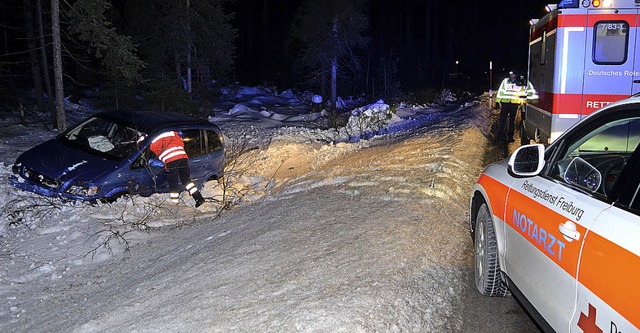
(151, 121)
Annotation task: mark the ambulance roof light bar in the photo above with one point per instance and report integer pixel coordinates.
(550, 7)
(569, 4)
(533, 22)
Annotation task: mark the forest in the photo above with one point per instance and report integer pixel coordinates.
(162, 54)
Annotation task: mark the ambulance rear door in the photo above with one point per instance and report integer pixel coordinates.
(612, 61)
(634, 35)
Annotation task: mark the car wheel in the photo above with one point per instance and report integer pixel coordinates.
(487, 266)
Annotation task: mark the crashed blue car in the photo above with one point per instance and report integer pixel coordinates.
(102, 158)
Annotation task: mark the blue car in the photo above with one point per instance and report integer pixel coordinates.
(102, 158)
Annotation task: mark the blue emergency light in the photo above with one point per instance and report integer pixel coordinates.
(568, 4)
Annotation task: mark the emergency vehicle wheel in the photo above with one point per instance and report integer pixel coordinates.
(487, 266)
(536, 136)
(524, 139)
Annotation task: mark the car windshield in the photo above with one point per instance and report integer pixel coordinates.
(621, 136)
(104, 137)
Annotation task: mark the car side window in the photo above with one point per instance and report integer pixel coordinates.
(215, 143)
(593, 160)
(142, 161)
(193, 143)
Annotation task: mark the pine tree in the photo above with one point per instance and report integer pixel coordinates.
(61, 119)
(116, 52)
(182, 36)
(329, 32)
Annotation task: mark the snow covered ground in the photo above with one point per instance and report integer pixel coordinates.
(329, 233)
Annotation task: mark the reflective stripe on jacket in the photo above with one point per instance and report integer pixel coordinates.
(169, 147)
(511, 92)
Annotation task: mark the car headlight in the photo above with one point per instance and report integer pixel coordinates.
(85, 191)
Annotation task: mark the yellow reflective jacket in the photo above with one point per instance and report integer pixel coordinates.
(511, 92)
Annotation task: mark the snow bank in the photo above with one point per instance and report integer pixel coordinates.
(329, 236)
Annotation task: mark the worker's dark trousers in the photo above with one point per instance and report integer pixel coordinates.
(178, 173)
(507, 110)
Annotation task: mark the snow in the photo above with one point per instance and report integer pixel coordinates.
(359, 229)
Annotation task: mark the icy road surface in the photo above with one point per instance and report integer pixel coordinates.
(364, 237)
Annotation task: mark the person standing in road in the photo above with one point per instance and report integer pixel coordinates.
(511, 95)
(169, 148)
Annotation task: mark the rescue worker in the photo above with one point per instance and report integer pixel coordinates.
(169, 148)
(511, 95)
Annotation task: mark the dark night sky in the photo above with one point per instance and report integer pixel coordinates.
(482, 31)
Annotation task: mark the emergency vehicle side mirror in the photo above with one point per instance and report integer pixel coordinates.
(527, 160)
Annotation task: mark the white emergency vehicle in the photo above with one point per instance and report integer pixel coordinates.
(583, 55)
(558, 226)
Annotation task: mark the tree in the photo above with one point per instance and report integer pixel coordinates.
(116, 52)
(329, 32)
(61, 120)
(191, 38)
(33, 54)
(45, 62)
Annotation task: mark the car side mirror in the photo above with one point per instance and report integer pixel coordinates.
(154, 162)
(527, 160)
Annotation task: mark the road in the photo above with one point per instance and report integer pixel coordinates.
(369, 237)
(423, 179)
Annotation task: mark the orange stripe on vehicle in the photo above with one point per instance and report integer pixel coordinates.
(582, 104)
(522, 210)
(629, 18)
(592, 102)
(497, 193)
(575, 20)
(588, 21)
(535, 222)
(566, 103)
(614, 277)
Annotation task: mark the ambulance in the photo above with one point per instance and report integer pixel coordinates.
(583, 55)
(558, 225)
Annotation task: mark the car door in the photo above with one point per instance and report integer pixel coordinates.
(147, 174)
(205, 151)
(194, 145)
(609, 269)
(548, 215)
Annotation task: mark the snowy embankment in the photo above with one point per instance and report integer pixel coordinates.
(330, 237)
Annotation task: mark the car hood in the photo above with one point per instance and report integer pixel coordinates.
(61, 162)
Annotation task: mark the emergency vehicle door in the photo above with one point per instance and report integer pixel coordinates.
(634, 46)
(609, 268)
(547, 217)
(608, 290)
(612, 61)
(545, 226)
